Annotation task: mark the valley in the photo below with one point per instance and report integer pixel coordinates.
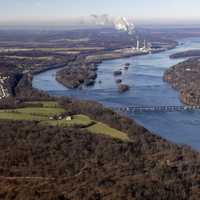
(67, 143)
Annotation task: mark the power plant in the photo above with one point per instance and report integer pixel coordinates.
(123, 24)
(145, 47)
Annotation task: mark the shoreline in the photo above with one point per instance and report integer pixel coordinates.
(73, 82)
(69, 162)
(184, 77)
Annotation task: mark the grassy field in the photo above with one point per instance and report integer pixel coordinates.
(40, 113)
(43, 111)
(30, 57)
(16, 116)
(76, 120)
(100, 128)
(46, 104)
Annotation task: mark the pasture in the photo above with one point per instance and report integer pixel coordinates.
(51, 114)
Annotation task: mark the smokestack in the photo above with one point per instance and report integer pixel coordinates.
(144, 44)
(138, 45)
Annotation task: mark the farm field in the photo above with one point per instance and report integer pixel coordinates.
(100, 128)
(50, 113)
(76, 120)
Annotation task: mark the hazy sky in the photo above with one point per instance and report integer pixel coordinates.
(38, 10)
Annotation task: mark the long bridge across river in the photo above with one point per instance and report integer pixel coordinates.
(135, 109)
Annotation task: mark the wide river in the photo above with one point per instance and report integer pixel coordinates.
(145, 77)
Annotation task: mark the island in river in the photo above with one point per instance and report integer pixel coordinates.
(82, 71)
(77, 73)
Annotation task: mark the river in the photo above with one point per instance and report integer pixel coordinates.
(145, 77)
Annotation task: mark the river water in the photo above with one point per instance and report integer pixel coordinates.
(147, 88)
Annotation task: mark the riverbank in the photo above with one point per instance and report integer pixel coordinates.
(186, 54)
(185, 77)
(145, 77)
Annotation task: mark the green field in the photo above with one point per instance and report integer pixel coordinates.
(42, 111)
(31, 58)
(46, 104)
(76, 120)
(16, 116)
(33, 112)
(100, 128)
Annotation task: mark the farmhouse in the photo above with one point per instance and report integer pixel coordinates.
(68, 118)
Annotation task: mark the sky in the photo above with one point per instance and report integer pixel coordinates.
(58, 10)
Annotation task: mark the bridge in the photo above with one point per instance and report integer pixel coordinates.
(140, 109)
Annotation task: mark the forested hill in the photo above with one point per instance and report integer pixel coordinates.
(185, 77)
(56, 161)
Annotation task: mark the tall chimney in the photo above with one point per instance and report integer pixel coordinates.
(144, 44)
(138, 45)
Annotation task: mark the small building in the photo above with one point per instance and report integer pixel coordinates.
(68, 118)
(60, 117)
